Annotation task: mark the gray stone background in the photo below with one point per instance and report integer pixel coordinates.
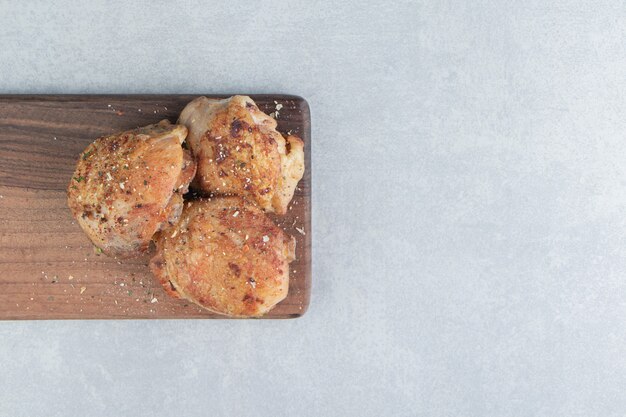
(469, 209)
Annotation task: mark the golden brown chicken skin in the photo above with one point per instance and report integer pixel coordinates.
(128, 186)
(225, 255)
(239, 152)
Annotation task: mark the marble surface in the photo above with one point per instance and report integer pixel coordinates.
(469, 209)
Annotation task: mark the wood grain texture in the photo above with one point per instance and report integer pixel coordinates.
(48, 267)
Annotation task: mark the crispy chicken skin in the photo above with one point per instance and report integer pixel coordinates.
(129, 185)
(239, 152)
(225, 255)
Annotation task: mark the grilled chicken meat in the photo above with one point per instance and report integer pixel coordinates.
(128, 186)
(239, 152)
(225, 255)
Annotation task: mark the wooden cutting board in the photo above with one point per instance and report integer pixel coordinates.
(48, 267)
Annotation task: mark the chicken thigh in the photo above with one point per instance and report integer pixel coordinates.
(239, 152)
(225, 255)
(128, 186)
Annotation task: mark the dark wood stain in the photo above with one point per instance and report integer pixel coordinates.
(48, 267)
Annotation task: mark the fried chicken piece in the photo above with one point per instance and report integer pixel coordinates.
(129, 185)
(225, 255)
(239, 152)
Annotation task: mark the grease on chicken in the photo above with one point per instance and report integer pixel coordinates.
(240, 152)
(129, 185)
(227, 256)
